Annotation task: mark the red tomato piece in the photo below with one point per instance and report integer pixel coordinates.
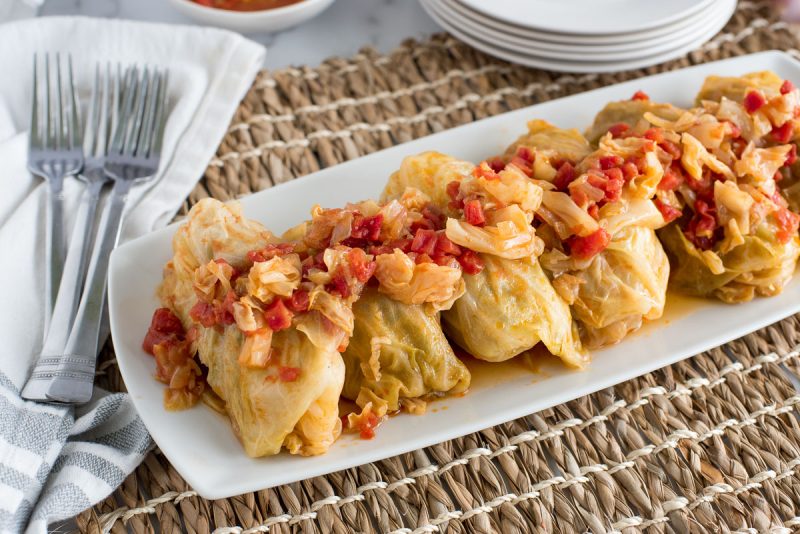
(368, 228)
(606, 162)
(788, 222)
(668, 212)
(445, 247)
(783, 133)
(564, 176)
(278, 316)
(590, 245)
(640, 95)
(791, 157)
(593, 211)
(619, 129)
(164, 325)
(753, 101)
(299, 301)
(473, 213)
(470, 261)
(338, 286)
(424, 242)
(629, 171)
(360, 267)
(787, 87)
(672, 179)
(203, 312)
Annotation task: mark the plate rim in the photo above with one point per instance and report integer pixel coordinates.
(481, 7)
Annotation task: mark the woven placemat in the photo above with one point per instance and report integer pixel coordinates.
(710, 444)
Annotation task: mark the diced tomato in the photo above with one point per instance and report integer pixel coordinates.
(654, 134)
(368, 228)
(783, 133)
(163, 326)
(701, 228)
(446, 247)
(453, 189)
(787, 87)
(203, 312)
(672, 179)
(629, 171)
(377, 250)
(586, 247)
(270, 251)
(288, 374)
(610, 182)
(753, 101)
(278, 316)
(606, 162)
(424, 242)
(704, 187)
(338, 286)
(619, 129)
(361, 268)
(470, 261)
(791, 157)
(224, 311)
(367, 426)
(671, 148)
(594, 211)
(564, 176)
(640, 95)
(523, 166)
(668, 212)
(435, 215)
(523, 160)
(496, 164)
(525, 153)
(485, 171)
(473, 213)
(299, 301)
(788, 222)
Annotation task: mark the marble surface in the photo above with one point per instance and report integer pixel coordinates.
(341, 30)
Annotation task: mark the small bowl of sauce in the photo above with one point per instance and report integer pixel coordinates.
(251, 16)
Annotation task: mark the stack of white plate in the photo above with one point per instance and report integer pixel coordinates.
(583, 35)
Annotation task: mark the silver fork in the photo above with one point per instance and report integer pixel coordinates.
(54, 153)
(103, 109)
(133, 156)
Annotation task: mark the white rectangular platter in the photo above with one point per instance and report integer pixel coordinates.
(200, 443)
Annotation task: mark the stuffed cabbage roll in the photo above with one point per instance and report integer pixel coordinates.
(627, 116)
(597, 220)
(398, 355)
(428, 172)
(509, 305)
(734, 235)
(268, 323)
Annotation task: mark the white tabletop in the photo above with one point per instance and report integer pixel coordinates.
(341, 30)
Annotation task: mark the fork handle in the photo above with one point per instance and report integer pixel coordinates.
(69, 293)
(73, 380)
(55, 248)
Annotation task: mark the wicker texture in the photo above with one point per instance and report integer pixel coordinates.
(711, 444)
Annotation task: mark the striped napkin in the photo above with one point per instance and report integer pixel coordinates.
(56, 461)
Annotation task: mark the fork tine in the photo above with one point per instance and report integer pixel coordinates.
(58, 131)
(160, 116)
(74, 135)
(132, 139)
(127, 94)
(93, 112)
(48, 120)
(103, 120)
(33, 139)
(151, 106)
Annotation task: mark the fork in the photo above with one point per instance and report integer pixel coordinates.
(103, 109)
(54, 153)
(133, 156)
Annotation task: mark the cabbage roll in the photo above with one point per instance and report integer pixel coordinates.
(598, 220)
(551, 142)
(267, 322)
(509, 306)
(627, 116)
(398, 356)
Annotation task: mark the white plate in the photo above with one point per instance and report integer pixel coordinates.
(588, 17)
(199, 442)
(533, 60)
(266, 20)
(578, 38)
(532, 45)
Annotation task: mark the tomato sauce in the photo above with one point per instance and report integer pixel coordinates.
(246, 5)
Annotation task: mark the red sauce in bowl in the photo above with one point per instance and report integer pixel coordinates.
(246, 5)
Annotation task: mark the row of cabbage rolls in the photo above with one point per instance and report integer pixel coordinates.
(567, 240)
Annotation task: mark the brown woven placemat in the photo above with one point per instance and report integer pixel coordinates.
(711, 444)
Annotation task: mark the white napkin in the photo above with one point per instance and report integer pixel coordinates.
(209, 72)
